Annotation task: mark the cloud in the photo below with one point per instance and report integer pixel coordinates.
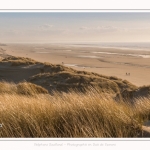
(84, 28)
(107, 28)
(45, 27)
(98, 28)
(116, 29)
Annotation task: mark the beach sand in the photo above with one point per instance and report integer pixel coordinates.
(106, 61)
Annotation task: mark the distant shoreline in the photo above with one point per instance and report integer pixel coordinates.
(136, 46)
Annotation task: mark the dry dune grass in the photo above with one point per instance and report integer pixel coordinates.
(17, 61)
(21, 88)
(72, 114)
(66, 80)
(55, 68)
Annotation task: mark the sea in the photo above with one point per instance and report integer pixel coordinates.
(124, 46)
(143, 48)
(136, 49)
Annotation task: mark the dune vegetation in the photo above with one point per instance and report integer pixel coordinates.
(48, 100)
(17, 61)
(73, 114)
(24, 88)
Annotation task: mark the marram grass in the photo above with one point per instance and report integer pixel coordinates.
(72, 114)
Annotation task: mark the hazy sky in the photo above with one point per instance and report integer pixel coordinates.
(74, 27)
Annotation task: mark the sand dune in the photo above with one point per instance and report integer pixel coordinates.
(62, 78)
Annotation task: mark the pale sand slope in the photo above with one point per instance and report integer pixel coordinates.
(85, 58)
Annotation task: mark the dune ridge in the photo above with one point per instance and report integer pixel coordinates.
(61, 78)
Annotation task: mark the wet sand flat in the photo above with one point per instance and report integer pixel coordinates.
(106, 61)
